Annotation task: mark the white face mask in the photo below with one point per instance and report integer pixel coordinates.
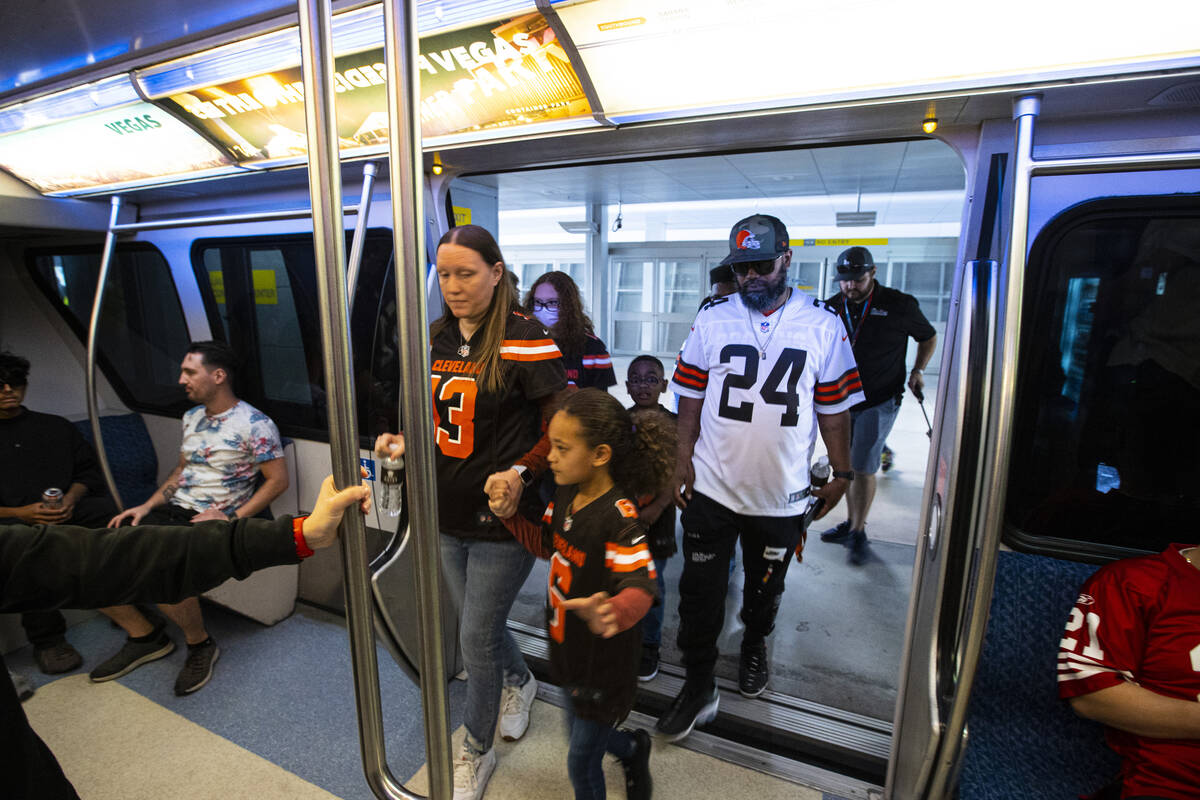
(546, 316)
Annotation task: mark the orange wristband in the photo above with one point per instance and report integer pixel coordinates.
(302, 548)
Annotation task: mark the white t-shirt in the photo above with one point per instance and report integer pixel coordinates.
(222, 455)
(758, 422)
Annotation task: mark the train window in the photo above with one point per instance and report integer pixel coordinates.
(1106, 440)
(142, 334)
(261, 296)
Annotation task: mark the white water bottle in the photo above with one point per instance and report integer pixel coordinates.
(391, 484)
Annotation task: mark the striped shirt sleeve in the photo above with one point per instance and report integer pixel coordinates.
(1105, 634)
(838, 385)
(691, 368)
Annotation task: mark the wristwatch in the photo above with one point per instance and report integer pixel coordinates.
(847, 474)
(524, 473)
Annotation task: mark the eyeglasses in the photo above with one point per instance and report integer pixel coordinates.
(644, 380)
(761, 267)
(545, 305)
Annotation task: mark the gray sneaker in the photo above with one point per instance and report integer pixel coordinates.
(198, 668)
(131, 656)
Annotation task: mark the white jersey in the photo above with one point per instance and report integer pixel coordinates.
(763, 379)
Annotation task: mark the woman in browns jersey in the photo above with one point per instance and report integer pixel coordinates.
(602, 578)
(495, 373)
(554, 301)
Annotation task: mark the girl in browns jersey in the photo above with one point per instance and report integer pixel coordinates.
(602, 578)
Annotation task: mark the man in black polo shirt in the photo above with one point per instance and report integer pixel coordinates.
(878, 322)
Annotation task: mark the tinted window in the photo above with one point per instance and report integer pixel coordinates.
(261, 294)
(1107, 430)
(142, 335)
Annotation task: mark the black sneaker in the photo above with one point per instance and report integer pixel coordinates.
(131, 656)
(695, 705)
(638, 785)
(860, 551)
(886, 458)
(57, 658)
(754, 670)
(648, 667)
(198, 668)
(837, 535)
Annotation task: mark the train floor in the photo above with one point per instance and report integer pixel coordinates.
(277, 721)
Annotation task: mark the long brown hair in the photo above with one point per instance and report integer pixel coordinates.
(504, 298)
(571, 331)
(643, 443)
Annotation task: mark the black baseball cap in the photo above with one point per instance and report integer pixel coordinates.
(720, 274)
(760, 237)
(853, 263)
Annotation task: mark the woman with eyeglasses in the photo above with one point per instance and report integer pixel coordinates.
(554, 301)
(496, 375)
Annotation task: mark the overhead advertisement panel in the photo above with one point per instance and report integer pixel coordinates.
(649, 60)
(484, 78)
(120, 146)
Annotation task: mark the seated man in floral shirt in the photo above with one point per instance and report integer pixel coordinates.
(226, 442)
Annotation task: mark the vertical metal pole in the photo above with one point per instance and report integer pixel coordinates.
(93, 331)
(325, 189)
(370, 170)
(416, 401)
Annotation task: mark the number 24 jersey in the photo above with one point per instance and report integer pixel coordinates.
(1138, 620)
(761, 379)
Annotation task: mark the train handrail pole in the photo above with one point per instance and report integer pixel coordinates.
(93, 408)
(324, 179)
(406, 172)
(370, 170)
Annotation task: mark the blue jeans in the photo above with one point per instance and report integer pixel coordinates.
(484, 579)
(588, 741)
(653, 621)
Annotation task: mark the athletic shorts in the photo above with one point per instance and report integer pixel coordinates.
(869, 429)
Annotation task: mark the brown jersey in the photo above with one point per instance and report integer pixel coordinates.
(480, 432)
(601, 547)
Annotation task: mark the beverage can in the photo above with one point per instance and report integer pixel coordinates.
(52, 498)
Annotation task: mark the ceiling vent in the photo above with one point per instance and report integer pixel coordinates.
(855, 219)
(1183, 94)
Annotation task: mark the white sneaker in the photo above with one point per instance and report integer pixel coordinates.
(515, 703)
(471, 773)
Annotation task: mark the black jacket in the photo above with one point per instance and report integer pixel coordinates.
(62, 566)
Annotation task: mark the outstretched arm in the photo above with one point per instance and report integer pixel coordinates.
(57, 566)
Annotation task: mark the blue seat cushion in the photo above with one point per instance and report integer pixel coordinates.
(1023, 741)
(130, 455)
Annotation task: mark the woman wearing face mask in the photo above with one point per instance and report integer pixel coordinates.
(554, 301)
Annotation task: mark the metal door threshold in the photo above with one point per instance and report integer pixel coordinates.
(772, 732)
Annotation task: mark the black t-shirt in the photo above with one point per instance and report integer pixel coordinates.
(602, 548)
(481, 432)
(39, 451)
(592, 368)
(882, 339)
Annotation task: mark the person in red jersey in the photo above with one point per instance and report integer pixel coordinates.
(1130, 658)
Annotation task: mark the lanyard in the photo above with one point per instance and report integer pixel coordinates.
(852, 328)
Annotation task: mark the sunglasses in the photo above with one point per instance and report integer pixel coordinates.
(760, 267)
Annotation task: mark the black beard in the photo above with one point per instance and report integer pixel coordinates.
(764, 292)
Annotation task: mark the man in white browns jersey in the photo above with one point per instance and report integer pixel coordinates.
(761, 372)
